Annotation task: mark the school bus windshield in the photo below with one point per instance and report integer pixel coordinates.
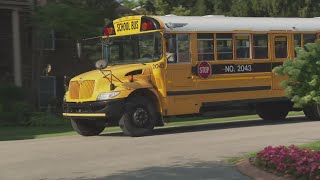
(131, 49)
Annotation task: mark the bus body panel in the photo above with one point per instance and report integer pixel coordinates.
(178, 87)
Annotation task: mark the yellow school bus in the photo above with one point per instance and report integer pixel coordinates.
(159, 66)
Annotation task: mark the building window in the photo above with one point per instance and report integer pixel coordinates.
(260, 46)
(50, 41)
(281, 46)
(205, 47)
(224, 46)
(309, 38)
(243, 46)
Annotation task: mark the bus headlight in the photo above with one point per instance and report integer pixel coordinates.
(107, 95)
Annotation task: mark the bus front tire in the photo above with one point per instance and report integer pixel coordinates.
(139, 118)
(312, 111)
(273, 110)
(87, 127)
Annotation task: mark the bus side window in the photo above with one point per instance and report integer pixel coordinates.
(224, 46)
(260, 46)
(309, 38)
(243, 43)
(205, 47)
(183, 46)
(281, 47)
(297, 43)
(171, 47)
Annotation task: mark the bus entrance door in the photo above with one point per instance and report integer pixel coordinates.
(178, 63)
(179, 74)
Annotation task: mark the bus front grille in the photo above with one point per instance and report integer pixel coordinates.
(81, 89)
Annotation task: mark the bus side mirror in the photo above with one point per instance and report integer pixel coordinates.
(79, 50)
(101, 64)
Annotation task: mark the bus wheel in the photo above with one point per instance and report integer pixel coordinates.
(273, 110)
(139, 118)
(87, 127)
(312, 112)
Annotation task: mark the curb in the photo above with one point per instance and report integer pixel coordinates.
(247, 169)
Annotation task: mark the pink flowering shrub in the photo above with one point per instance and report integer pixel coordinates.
(291, 160)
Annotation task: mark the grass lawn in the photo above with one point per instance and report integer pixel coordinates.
(311, 146)
(19, 133)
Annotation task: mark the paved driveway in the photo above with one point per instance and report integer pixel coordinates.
(172, 153)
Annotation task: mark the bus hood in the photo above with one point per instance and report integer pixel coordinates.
(88, 86)
(119, 71)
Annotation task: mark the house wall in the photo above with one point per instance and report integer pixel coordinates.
(6, 51)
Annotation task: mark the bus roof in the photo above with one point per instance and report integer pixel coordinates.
(221, 23)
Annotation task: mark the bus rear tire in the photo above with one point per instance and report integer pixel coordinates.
(273, 110)
(312, 111)
(139, 118)
(86, 127)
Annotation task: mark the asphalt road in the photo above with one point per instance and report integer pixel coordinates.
(173, 153)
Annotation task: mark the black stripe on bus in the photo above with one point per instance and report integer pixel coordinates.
(240, 68)
(243, 101)
(276, 64)
(225, 90)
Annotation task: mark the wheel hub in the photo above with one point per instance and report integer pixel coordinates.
(140, 117)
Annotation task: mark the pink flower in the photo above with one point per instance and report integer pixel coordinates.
(298, 162)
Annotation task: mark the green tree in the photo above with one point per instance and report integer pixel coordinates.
(200, 8)
(310, 8)
(241, 8)
(129, 3)
(181, 11)
(261, 8)
(157, 7)
(303, 83)
(74, 22)
(221, 7)
(75, 19)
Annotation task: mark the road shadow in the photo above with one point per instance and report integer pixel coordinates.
(217, 126)
(25, 132)
(206, 170)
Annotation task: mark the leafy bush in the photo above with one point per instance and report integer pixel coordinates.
(303, 83)
(47, 119)
(16, 113)
(13, 108)
(11, 94)
(300, 163)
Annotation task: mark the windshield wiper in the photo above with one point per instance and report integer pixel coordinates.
(115, 64)
(112, 86)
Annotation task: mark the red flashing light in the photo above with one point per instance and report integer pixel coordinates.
(108, 31)
(147, 26)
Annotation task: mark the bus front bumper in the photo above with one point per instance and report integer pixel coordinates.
(84, 114)
(111, 109)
